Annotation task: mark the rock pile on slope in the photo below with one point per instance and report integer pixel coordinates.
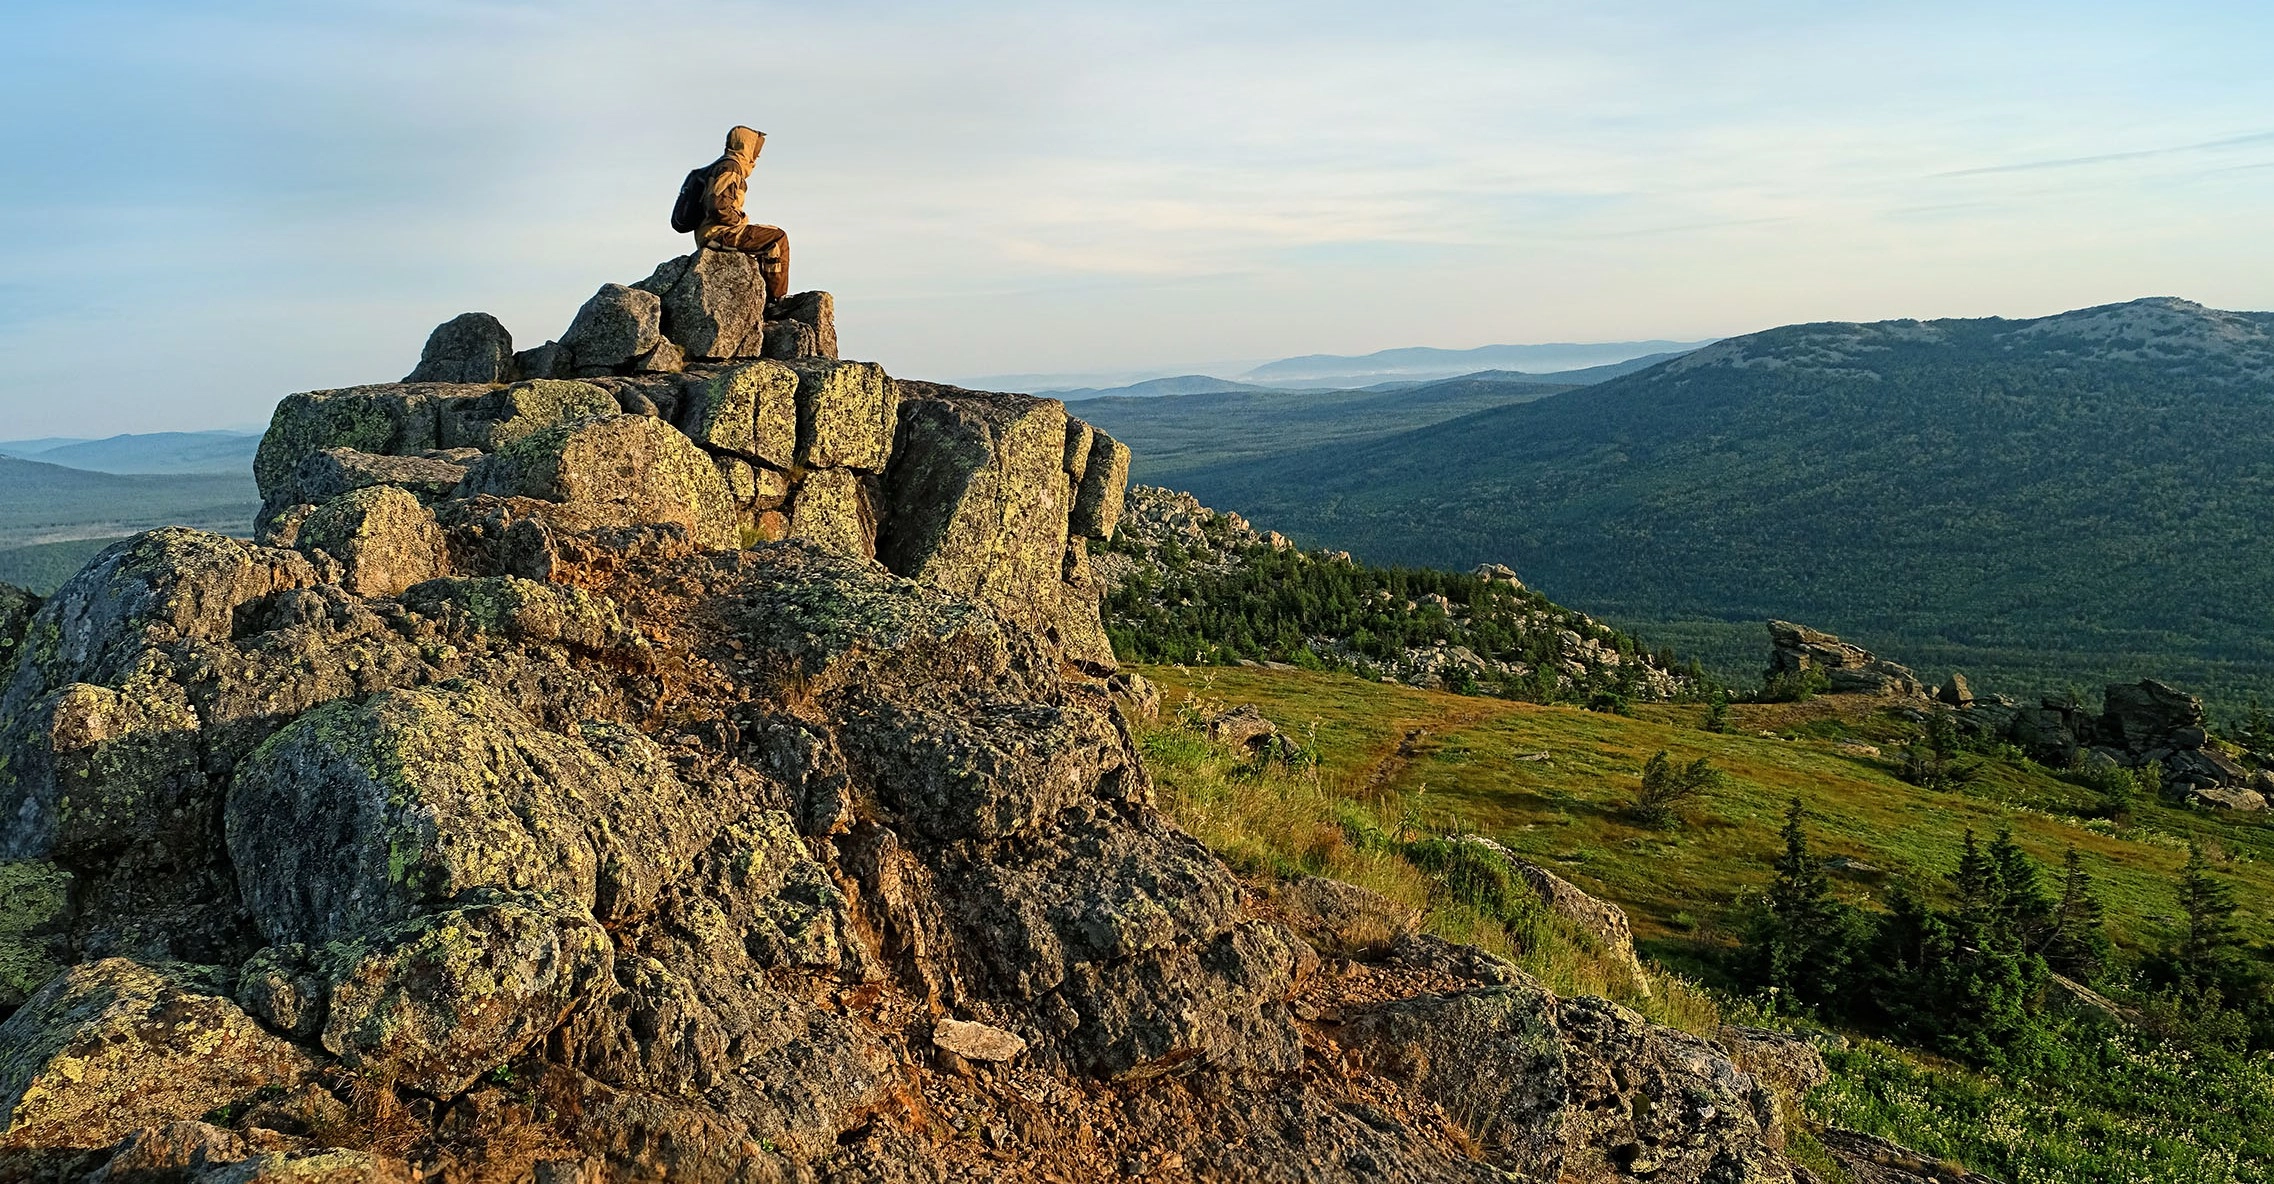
(1173, 553)
(2139, 724)
(1799, 651)
(701, 774)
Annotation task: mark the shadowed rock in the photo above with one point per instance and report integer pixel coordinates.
(713, 303)
(469, 347)
(114, 1045)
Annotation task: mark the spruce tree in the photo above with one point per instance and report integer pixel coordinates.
(2208, 950)
(1800, 939)
(2078, 946)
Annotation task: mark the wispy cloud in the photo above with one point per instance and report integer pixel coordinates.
(242, 198)
(2115, 157)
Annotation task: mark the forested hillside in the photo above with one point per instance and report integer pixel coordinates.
(2068, 500)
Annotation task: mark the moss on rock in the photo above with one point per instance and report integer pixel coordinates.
(114, 1045)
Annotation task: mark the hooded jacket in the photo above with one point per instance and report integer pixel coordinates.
(730, 180)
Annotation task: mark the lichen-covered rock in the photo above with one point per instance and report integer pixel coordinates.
(749, 409)
(1652, 1101)
(1787, 1063)
(523, 610)
(615, 326)
(985, 771)
(113, 1045)
(1079, 437)
(1105, 482)
(621, 471)
(393, 418)
(1491, 1057)
(550, 360)
(35, 907)
(362, 815)
(384, 539)
(469, 347)
(280, 987)
(16, 609)
(169, 1151)
(437, 1001)
(335, 471)
(976, 502)
(500, 417)
(804, 326)
(324, 1166)
(95, 770)
(845, 415)
(713, 303)
(834, 510)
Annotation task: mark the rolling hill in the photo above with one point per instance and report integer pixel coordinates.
(2070, 499)
(45, 503)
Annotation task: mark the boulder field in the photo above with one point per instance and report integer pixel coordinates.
(677, 753)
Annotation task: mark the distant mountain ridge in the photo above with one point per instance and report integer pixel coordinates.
(1427, 362)
(148, 452)
(2059, 497)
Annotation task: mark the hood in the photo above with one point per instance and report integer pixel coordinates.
(742, 145)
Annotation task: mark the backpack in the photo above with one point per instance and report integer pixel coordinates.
(694, 195)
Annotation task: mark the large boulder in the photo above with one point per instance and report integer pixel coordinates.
(334, 471)
(114, 1045)
(394, 418)
(713, 303)
(976, 501)
(1104, 482)
(35, 909)
(1653, 1102)
(749, 409)
(1788, 1064)
(16, 609)
(364, 815)
(834, 509)
(845, 415)
(500, 417)
(437, 1001)
(1846, 668)
(469, 347)
(384, 539)
(2148, 714)
(617, 325)
(1491, 1057)
(625, 470)
(804, 326)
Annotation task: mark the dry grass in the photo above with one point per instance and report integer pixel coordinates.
(1277, 819)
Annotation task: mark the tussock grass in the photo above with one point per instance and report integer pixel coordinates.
(1283, 815)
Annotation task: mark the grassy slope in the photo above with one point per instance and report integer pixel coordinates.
(2132, 1111)
(1564, 811)
(1174, 434)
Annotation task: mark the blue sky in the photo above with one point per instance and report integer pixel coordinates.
(208, 205)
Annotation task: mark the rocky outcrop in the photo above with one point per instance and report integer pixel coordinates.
(1169, 555)
(1799, 651)
(545, 824)
(2142, 723)
(469, 347)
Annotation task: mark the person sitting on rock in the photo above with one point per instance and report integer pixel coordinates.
(725, 227)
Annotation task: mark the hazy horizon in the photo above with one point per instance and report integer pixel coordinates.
(210, 209)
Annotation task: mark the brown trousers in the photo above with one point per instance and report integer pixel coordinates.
(766, 241)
